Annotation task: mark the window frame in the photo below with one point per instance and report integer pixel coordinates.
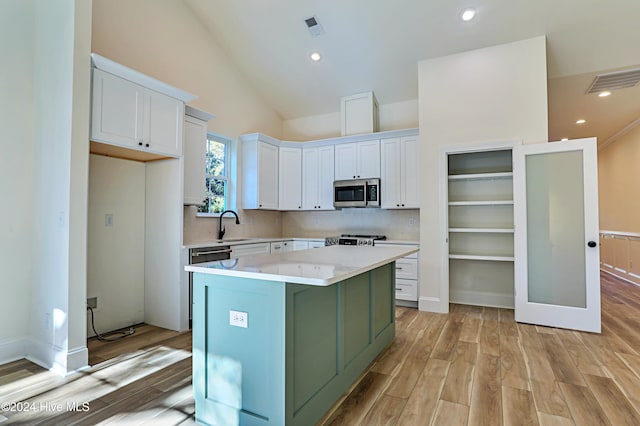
(229, 168)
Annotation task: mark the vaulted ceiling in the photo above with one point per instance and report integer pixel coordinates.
(376, 45)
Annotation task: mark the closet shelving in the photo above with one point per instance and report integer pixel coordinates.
(481, 230)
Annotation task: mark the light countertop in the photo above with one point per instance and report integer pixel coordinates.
(245, 240)
(321, 266)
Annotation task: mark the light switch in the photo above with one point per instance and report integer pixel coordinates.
(108, 219)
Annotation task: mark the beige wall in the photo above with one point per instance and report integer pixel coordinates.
(394, 116)
(164, 39)
(487, 95)
(117, 188)
(619, 183)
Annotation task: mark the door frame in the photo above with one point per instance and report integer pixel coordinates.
(445, 151)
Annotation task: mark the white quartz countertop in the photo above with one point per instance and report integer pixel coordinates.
(321, 266)
(245, 240)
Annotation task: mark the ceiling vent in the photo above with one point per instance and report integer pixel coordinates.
(615, 80)
(314, 27)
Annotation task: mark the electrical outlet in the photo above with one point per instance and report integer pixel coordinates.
(239, 319)
(92, 302)
(411, 221)
(108, 219)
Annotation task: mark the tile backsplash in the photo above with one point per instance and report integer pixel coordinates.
(395, 224)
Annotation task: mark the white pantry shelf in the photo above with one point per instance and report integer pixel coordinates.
(480, 176)
(483, 230)
(482, 203)
(480, 257)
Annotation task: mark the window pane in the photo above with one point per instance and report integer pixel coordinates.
(216, 190)
(216, 158)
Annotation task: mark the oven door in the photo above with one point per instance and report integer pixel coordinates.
(350, 193)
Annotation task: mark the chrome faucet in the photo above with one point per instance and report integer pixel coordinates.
(221, 229)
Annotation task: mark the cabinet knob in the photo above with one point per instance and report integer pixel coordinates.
(147, 145)
(403, 205)
(260, 205)
(397, 205)
(592, 244)
(299, 207)
(354, 176)
(140, 143)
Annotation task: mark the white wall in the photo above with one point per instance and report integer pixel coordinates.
(394, 116)
(116, 253)
(16, 173)
(395, 224)
(61, 89)
(493, 94)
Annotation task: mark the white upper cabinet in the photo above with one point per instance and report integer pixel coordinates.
(194, 149)
(290, 179)
(259, 173)
(317, 178)
(399, 176)
(359, 160)
(131, 116)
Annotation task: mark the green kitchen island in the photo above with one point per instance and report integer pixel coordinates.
(277, 339)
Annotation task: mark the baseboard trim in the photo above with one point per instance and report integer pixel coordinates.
(479, 298)
(432, 304)
(12, 349)
(55, 359)
(621, 277)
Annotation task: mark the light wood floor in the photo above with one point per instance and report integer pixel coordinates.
(474, 366)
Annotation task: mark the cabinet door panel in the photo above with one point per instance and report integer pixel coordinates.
(290, 179)
(310, 177)
(368, 160)
(325, 177)
(346, 161)
(390, 174)
(410, 173)
(267, 176)
(117, 110)
(195, 141)
(164, 126)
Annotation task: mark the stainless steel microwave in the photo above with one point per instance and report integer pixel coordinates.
(356, 193)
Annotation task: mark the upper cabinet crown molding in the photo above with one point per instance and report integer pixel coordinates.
(107, 65)
(198, 113)
(332, 141)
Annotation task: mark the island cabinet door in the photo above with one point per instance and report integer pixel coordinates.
(238, 351)
(333, 334)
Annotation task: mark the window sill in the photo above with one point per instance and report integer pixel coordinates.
(200, 214)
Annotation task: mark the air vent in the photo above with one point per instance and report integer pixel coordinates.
(314, 27)
(615, 80)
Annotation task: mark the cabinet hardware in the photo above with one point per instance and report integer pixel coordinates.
(592, 244)
(147, 145)
(140, 143)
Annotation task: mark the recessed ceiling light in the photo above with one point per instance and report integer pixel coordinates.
(604, 94)
(581, 121)
(315, 56)
(564, 139)
(468, 14)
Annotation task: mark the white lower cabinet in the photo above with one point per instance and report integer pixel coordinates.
(407, 283)
(300, 245)
(250, 249)
(281, 246)
(316, 243)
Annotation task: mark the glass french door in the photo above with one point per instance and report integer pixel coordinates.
(557, 276)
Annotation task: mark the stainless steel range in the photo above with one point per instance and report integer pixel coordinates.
(353, 240)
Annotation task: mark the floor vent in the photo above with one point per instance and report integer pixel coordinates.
(615, 80)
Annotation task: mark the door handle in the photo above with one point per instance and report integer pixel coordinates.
(592, 244)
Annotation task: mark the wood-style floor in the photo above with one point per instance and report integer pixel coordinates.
(474, 366)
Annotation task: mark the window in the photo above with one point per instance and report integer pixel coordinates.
(217, 174)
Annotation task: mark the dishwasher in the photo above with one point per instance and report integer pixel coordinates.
(202, 255)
